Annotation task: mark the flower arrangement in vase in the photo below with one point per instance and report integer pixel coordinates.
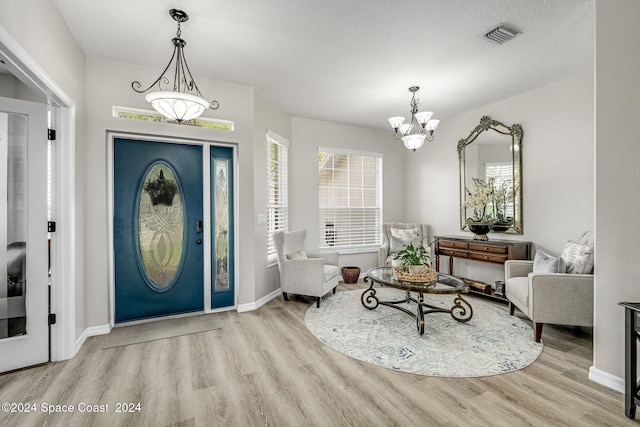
(480, 198)
(503, 197)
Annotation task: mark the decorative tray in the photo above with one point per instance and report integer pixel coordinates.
(402, 275)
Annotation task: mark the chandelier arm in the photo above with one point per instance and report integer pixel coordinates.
(178, 74)
(213, 105)
(162, 76)
(192, 84)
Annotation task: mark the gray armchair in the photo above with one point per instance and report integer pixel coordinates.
(555, 298)
(311, 274)
(392, 244)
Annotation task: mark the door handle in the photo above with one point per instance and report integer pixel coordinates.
(198, 226)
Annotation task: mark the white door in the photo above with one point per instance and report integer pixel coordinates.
(24, 333)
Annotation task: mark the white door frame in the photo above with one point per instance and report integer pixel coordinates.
(63, 248)
(206, 212)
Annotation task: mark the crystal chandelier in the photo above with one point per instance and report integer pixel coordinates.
(419, 128)
(184, 102)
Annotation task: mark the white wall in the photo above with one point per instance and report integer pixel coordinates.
(268, 116)
(617, 177)
(557, 170)
(307, 135)
(40, 30)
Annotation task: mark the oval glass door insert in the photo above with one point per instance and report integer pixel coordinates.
(161, 225)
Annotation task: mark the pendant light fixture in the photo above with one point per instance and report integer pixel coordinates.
(184, 102)
(419, 127)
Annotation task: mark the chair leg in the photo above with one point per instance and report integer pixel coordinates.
(512, 308)
(318, 302)
(538, 328)
(285, 296)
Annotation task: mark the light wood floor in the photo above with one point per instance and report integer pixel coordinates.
(265, 368)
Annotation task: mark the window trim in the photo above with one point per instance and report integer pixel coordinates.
(272, 137)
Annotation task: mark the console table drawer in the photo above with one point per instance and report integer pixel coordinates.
(502, 249)
(453, 244)
(488, 257)
(454, 253)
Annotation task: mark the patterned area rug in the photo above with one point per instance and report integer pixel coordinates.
(491, 343)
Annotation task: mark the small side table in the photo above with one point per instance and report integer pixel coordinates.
(632, 329)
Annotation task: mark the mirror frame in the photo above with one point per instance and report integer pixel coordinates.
(515, 131)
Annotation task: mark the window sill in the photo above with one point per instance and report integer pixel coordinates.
(351, 251)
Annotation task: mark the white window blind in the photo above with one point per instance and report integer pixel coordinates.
(350, 198)
(277, 189)
(502, 173)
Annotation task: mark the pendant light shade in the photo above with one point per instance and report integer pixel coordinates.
(176, 105)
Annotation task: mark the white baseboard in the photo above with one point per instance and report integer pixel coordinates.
(606, 379)
(91, 331)
(262, 301)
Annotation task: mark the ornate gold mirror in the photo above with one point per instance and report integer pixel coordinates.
(491, 178)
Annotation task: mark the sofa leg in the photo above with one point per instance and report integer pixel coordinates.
(334, 290)
(318, 302)
(512, 308)
(538, 328)
(285, 296)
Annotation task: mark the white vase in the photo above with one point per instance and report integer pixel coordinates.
(418, 269)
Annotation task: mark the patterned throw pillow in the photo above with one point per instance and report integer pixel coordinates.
(401, 237)
(578, 258)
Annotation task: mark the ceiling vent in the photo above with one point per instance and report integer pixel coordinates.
(502, 34)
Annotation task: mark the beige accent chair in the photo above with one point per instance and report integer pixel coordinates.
(391, 246)
(311, 274)
(555, 298)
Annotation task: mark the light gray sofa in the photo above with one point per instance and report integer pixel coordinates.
(555, 298)
(304, 273)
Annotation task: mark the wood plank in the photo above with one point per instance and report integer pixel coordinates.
(265, 368)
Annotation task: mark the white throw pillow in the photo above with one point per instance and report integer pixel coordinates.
(578, 258)
(545, 263)
(402, 237)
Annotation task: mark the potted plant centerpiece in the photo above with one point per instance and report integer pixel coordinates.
(416, 260)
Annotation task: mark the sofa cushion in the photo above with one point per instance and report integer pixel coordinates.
(329, 272)
(401, 238)
(578, 258)
(518, 291)
(545, 263)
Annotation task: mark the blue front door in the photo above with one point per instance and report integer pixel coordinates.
(158, 224)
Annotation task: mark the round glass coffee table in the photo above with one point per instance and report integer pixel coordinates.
(461, 310)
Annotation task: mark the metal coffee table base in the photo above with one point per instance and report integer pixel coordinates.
(460, 311)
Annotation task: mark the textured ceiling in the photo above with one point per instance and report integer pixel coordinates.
(351, 61)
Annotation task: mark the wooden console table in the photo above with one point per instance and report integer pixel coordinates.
(492, 251)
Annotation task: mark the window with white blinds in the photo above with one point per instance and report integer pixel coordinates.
(277, 189)
(502, 173)
(350, 198)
